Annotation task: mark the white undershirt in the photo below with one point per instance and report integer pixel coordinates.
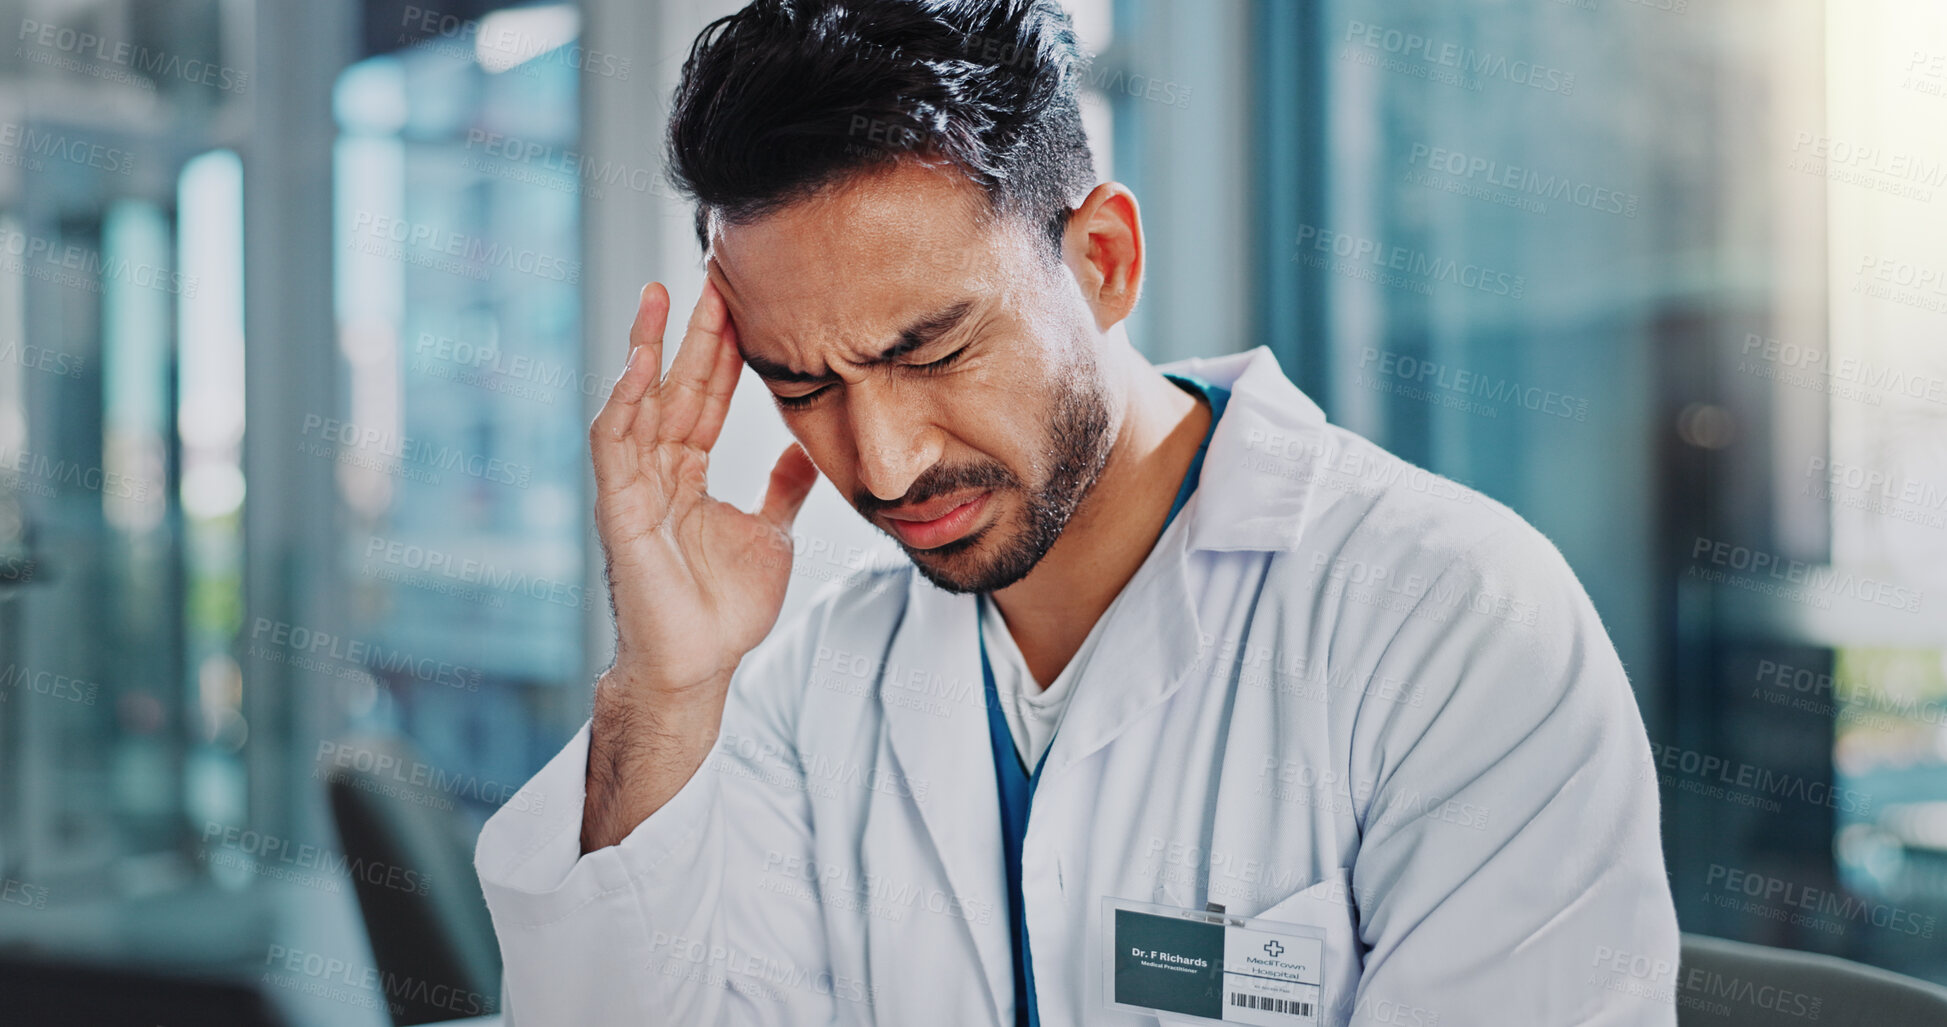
(1032, 712)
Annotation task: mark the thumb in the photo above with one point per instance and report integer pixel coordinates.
(791, 482)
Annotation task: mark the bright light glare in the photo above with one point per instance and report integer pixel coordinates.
(509, 38)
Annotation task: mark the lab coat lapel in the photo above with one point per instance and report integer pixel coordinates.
(935, 652)
(1155, 639)
(1148, 648)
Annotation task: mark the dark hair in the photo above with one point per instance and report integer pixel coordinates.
(788, 96)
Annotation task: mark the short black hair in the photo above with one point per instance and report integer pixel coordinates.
(786, 97)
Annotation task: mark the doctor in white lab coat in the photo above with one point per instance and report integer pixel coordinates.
(1340, 691)
(1250, 674)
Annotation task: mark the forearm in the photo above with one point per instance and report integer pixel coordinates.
(570, 924)
(644, 745)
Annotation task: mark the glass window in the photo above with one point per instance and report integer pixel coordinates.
(459, 449)
(1666, 279)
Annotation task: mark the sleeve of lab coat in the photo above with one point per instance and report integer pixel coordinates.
(1510, 869)
(671, 925)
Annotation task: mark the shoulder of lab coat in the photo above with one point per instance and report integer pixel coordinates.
(1509, 844)
(1511, 807)
(1508, 805)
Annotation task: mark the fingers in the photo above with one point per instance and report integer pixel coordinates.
(652, 319)
(791, 482)
(686, 390)
(723, 385)
(625, 408)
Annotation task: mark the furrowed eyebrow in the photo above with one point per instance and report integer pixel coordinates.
(928, 330)
(920, 333)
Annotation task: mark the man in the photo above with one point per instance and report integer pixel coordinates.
(1188, 704)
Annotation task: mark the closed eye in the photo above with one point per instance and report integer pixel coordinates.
(932, 367)
(799, 402)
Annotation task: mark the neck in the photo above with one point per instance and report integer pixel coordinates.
(1050, 611)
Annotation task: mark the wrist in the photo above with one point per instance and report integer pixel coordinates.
(657, 708)
(637, 681)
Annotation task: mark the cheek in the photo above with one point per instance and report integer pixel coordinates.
(822, 434)
(982, 422)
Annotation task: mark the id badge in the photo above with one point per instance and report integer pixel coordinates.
(1211, 966)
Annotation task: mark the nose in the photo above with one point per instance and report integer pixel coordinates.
(894, 439)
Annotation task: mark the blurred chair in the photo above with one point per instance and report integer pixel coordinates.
(1734, 984)
(439, 943)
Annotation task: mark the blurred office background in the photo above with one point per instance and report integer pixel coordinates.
(305, 307)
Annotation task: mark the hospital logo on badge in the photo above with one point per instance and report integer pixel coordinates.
(1212, 967)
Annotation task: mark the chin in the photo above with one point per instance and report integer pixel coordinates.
(977, 562)
(958, 584)
(959, 566)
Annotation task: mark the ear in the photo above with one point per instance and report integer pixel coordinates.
(1103, 249)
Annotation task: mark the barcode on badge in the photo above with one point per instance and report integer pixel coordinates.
(1287, 1006)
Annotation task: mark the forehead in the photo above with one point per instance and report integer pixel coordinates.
(853, 264)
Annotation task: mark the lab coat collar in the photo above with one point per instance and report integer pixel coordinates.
(1154, 637)
(1258, 472)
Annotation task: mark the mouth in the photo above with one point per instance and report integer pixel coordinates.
(938, 522)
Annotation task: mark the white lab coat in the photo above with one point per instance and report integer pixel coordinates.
(1340, 691)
